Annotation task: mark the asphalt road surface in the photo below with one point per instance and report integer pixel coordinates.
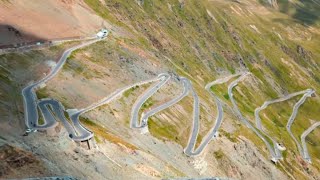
(134, 123)
(190, 149)
(258, 120)
(305, 153)
(31, 105)
(146, 115)
(274, 157)
(75, 130)
(75, 114)
(219, 118)
(296, 107)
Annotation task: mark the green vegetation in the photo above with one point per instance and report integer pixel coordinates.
(147, 104)
(164, 132)
(42, 93)
(102, 11)
(103, 133)
(97, 139)
(230, 136)
(226, 96)
(40, 120)
(219, 154)
(281, 54)
(128, 92)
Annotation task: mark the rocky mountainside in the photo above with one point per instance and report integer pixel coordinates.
(277, 41)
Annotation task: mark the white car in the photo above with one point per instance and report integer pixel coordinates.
(31, 130)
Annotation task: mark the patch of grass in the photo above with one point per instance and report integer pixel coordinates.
(147, 104)
(226, 96)
(230, 136)
(97, 139)
(104, 134)
(163, 132)
(103, 11)
(128, 92)
(42, 93)
(219, 154)
(198, 140)
(40, 120)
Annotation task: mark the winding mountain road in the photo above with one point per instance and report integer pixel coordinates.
(52, 109)
(189, 150)
(134, 123)
(274, 157)
(296, 107)
(217, 100)
(76, 131)
(31, 105)
(305, 153)
(74, 114)
(258, 120)
(146, 115)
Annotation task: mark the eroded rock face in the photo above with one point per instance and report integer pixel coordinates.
(15, 163)
(140, 2)
(302, 52)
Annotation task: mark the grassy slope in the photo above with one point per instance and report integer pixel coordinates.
(201, 46)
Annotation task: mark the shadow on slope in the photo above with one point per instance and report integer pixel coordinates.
(11, 36)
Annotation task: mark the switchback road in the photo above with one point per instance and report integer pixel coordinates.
(30, 101)
(258, 120)
(134, 123)
(274, 156)
(296, 107)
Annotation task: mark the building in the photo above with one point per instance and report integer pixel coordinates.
(102, 33)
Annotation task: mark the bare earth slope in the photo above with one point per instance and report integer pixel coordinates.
(48, 19)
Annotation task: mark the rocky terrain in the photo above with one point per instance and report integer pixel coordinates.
(277, 41)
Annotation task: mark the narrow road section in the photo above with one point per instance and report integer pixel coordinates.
(74, 114)
(217, 100)
(274, 157)
(146, 115)
(296, 107)
(134, 123)
(264, 106)
(213, 132)
(31, 103)
(305, 153)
